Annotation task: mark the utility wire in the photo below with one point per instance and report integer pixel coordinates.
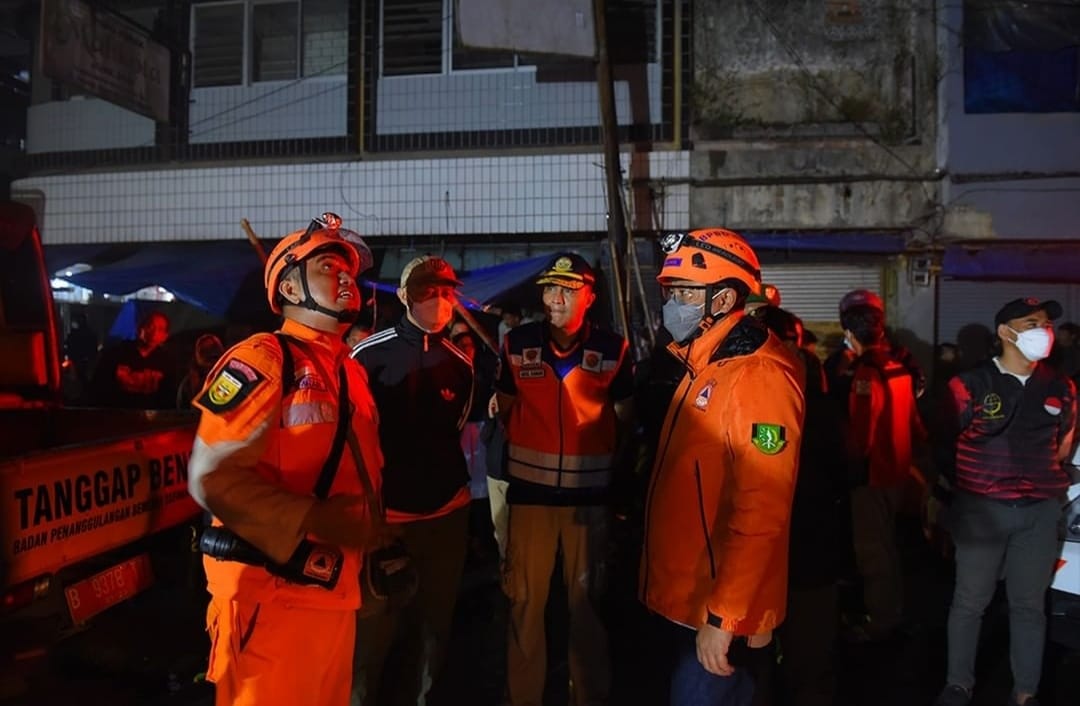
(826, 94)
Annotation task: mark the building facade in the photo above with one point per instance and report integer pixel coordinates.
(833, 133)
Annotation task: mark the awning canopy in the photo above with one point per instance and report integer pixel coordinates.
(889, 243)
(1043, 261)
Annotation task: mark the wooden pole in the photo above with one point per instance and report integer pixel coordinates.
(254, 240)
(612, 168)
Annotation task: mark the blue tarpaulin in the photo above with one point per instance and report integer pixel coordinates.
(209, 275)
(206, 275)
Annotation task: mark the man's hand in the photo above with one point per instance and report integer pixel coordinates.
(712, 650)
(347, 521)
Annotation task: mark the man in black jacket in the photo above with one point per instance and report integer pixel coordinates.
(423, 388)
(1011, 423)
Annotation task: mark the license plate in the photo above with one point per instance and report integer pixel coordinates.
(114, 585)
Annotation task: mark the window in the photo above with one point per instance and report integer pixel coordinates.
(218, 45)
(234, 43)
(1022, 57)
(412, 35)
(274, 48)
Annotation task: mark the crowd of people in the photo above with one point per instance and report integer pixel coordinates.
(367, 468)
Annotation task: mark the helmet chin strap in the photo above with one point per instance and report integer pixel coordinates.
(711, 292)
(344, 316)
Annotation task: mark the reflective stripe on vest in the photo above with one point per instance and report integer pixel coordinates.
(569, 479)
(585, 471)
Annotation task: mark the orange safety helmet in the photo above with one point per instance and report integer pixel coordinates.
(708, 256)
(325, 232)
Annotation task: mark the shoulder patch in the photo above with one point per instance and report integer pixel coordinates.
(232, 384)
(769, 439)
(592, 360)
(863, 387)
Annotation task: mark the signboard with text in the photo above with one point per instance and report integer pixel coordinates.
(59, 508)
(103, 54)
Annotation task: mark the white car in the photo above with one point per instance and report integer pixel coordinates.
(1064, 623)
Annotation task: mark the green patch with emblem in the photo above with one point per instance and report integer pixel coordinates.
(769, 438)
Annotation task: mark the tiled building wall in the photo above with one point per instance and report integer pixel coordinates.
(514, 195)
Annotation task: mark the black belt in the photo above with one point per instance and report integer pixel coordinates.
(1025, 501)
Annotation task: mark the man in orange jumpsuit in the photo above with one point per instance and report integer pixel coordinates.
(715, 558)
(263, 440)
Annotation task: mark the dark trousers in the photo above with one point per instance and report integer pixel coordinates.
(994, 539)
(807, 639)
(405, 648)
(691, 685)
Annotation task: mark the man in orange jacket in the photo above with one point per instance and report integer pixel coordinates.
(281, 636)
(715, 558)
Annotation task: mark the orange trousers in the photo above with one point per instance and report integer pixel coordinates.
(262, 654)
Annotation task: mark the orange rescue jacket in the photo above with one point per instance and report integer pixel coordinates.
(719, 504)
(270, 450)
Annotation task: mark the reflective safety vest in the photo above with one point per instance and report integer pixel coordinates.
(562, 428)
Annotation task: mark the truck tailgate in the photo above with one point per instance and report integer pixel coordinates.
(67, 505)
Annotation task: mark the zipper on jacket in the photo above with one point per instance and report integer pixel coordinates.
(658, 464)
(704, 522)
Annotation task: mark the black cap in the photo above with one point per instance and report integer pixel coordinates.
(568, 270)
(1019, 308)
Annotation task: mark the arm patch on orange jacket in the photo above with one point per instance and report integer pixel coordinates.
(232, 384)
(769, 439)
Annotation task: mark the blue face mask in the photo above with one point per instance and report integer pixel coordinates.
(681, 320)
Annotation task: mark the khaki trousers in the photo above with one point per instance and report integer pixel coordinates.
(536, 534)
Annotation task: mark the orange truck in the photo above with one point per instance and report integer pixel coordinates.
(94, 506)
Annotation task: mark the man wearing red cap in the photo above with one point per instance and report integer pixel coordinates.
(838, 364)
(565, 391)
(882, 430)
(1011, 423)
(423, 387)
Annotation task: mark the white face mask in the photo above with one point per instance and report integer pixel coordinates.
(1035, 343)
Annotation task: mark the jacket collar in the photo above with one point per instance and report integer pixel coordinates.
(328, 342)
(409, 331)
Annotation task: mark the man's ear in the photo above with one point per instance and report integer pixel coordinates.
(403, 297)
(724, 301)
(290, 290)
(592, 298)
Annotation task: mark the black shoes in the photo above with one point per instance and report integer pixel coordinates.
(954, 695)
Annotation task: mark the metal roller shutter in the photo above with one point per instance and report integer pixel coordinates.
(962, 302)
(813, 291)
